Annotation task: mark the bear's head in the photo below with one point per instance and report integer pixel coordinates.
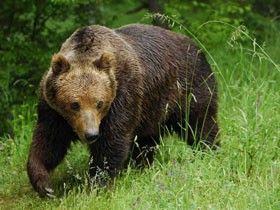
(81, 92)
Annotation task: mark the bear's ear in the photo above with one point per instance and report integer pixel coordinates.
(59, 64)
(104, 62)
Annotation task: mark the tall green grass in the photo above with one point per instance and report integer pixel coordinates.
(243, 174)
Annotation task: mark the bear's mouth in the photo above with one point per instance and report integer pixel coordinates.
(93, 140)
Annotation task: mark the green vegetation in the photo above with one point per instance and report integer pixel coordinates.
(242, 45)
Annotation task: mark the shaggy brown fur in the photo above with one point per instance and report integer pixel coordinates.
(107, 86)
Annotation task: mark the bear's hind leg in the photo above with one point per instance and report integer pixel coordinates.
(203, 129)
(195, 129)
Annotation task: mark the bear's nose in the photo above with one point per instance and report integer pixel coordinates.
(91, 136)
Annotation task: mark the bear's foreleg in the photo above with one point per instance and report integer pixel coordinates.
(142, 151)
(45, 154)
(51, 139)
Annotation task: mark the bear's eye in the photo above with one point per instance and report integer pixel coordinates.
(99, 105)
(75, 106)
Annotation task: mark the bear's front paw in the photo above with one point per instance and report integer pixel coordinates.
(43, 189)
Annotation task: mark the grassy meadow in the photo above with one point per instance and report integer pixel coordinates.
(243, 174)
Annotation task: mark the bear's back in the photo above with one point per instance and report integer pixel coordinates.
(163, 54)
(151, 43)
(168, 60)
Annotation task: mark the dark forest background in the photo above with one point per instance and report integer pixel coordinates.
(32, 31)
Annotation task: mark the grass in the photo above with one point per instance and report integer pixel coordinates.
(243, 174)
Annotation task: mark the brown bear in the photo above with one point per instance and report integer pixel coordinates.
(119, 91)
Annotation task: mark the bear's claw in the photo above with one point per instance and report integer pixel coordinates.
(49, 192)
